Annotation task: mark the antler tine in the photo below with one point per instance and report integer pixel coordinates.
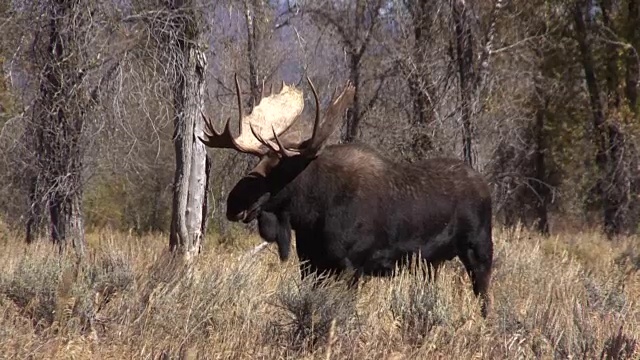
(224, 139)
(240, 110)
(320, 131)
(280, 149)
(316, 122)
(334, 92)
(332, 117)
(212, 137)
(208, 125)
(261, 139)
(261, 93)
(283, 150)
(208, 131)
(281, 110)
(240, 113)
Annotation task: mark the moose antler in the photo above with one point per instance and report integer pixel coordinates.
(279, 110)
(321, 131)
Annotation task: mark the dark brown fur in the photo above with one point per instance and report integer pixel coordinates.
(353, 210)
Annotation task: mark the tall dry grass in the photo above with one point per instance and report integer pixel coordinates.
(568, 296)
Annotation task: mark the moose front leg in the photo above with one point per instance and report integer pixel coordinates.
(353, 273)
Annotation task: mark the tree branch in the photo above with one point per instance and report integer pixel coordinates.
(333, 22)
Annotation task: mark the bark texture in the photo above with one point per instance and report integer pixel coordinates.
(614, 185)
(191, 177)
(464, 59)
(58, 120)
(255, 12)
(472, 75)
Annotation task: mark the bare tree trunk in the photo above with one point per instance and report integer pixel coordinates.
(472, 77)
(421, 90)
(621, 172)
(58, 120)
(612, 78)
(632, 75)
(357, 43)
(255, 14)
(34, 217)
(615, 211)
(539, 185)
(191, 177)
(419, 82)
(205, 204)
(464, 57)
(67, 220)
(607, 152)
(353, 113)
(355, 29)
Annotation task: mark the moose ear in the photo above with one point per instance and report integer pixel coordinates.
(266, 164)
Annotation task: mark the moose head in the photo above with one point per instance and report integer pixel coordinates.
(282, 154)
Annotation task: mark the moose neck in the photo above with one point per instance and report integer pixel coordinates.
(284, 183)
(312, 184)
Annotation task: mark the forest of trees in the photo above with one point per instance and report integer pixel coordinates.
(100, 101)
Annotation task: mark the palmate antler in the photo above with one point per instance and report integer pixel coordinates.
(322, 129)
(278, 111)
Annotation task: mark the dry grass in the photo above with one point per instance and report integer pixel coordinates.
(571, 296)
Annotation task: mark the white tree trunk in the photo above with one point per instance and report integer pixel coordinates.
(189, 198)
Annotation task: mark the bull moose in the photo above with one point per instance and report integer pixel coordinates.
(352, 209)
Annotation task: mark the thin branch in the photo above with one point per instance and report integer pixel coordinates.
(342, 31)
(516, 44)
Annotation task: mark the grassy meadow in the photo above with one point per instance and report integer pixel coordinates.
(567, 296)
